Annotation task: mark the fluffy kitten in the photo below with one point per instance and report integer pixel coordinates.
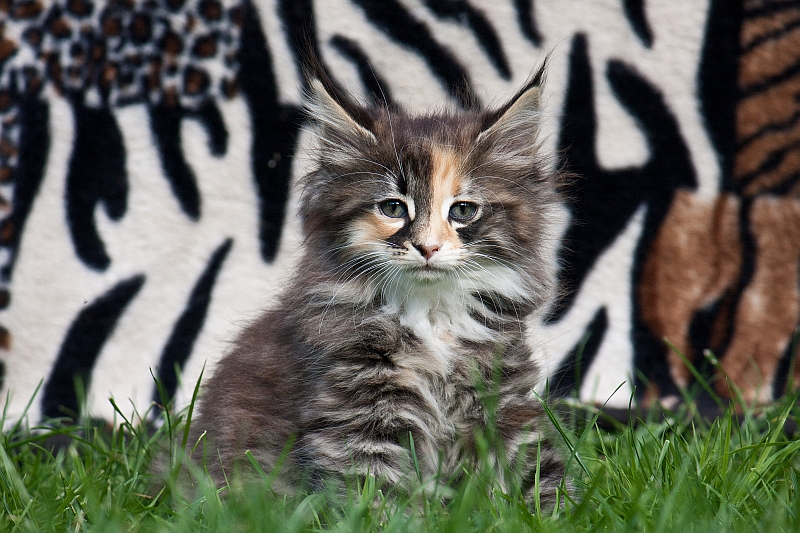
(424, 259)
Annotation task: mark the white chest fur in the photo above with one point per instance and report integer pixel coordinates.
(440, 324)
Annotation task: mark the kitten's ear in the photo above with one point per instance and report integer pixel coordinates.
(515, 125)
(334, 112)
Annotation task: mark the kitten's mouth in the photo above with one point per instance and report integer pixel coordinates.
(428, 272)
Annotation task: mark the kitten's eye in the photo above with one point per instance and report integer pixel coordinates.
(462, 211)
(393, 208)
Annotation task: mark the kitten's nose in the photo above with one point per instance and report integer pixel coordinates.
(427, 251)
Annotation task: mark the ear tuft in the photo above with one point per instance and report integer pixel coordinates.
(336, 115)
(515, 125)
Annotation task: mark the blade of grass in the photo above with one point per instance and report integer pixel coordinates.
(18, 423)
(13, 475)
(564, 436)
(190, 412)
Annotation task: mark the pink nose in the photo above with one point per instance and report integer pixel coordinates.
(427, 251)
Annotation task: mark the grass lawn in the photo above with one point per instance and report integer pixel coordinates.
(682, 474)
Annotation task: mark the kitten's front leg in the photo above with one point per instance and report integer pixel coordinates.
(365, 408)
(518, 426)
(528, 452)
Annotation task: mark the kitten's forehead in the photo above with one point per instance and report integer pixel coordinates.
(430, 153)
(431, 175)
(446, 177)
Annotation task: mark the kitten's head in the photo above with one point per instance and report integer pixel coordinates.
(455, 201)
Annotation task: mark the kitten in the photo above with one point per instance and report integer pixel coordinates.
(424, 259)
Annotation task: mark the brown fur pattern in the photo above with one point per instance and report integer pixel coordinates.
(699, 255)
(702, 233)
(767, 167)
(767, 314)
(423, 262)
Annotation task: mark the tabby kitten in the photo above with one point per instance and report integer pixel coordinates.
(424, 259)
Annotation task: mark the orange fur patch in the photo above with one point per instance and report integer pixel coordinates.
(446, 183)
(374, 228)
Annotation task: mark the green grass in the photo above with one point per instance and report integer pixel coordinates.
(681, 474)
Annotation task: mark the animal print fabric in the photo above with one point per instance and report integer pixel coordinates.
(148, 148)
(731, 261)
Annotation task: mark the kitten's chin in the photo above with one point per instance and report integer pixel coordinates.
(429, 274)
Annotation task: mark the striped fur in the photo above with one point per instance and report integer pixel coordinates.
(399, 317)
